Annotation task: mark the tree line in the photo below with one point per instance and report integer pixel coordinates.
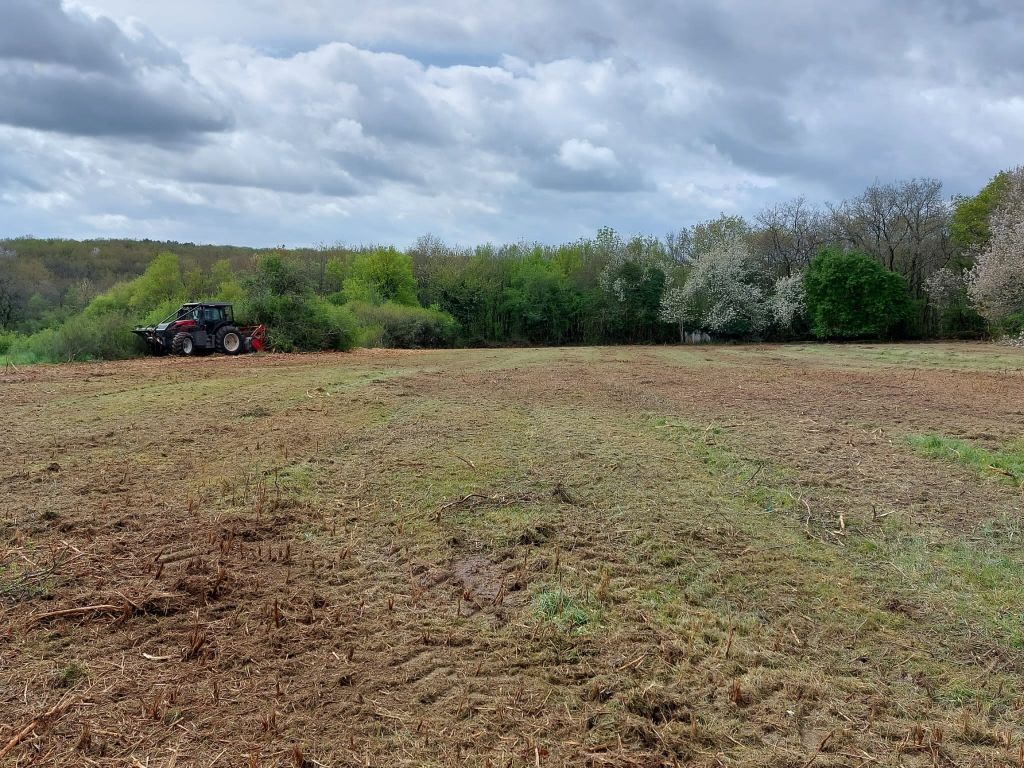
(898, 261)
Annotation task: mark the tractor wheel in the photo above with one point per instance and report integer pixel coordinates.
(229, 340)
(183, 344)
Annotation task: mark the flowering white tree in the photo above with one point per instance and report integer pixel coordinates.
(722, 294)
(995, 283)
(944, 286)
(788, 303)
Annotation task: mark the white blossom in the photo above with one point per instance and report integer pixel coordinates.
(995, 283)
(945, 286)
(722, 294)
(789, 301)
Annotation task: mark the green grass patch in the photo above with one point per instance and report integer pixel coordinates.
(981, 577)
(506, 525)
(71, 675)
(15, 586)
(561, 608)
(950, 356)
(19, 358)
(1006, 464)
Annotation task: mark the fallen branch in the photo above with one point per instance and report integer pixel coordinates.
(178, 556)
(464, 459)
(463, 500)
(1002, 471)
(151, 657)
(101, 608)
(55, 711)
(756, 473)
(634, 663)
(25, 580)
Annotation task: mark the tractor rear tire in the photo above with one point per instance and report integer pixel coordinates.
(183, 344)
(229, 340)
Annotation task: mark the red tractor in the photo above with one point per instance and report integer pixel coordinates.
(199, 328)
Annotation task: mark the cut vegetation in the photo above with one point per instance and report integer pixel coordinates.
(711, 556)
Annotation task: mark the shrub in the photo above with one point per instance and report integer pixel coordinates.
(952, 313)
(107, 337)
(394, 325)
(278, 295)
(303, 323)
(1012, 326)
(84, 337)
(38, 347)
(852, 296)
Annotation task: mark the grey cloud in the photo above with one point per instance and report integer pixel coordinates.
(88, 104)
(390, 102)
(754, 130)
(557, 178)
(64, 71)
(18, 175)
(675, 111)
(267, 171)
(42, 31)
(364, 165)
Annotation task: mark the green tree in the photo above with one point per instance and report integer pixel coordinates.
(335, 272)
(540, 302)
(157, 291)
(382, 275)
(852, 296)
(635, 276)
(969, 227)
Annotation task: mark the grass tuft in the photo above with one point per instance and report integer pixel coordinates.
(1007, 464)
(562, 609)
(71, 675)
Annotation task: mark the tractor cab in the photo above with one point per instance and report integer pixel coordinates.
(209, 317)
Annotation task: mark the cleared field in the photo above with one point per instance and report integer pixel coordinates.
(772, 555)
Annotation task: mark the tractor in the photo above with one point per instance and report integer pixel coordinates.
(199, 328)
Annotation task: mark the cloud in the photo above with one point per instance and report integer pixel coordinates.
(319, 120)
(581, 155)
(62, 70)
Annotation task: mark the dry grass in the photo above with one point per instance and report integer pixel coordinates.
(604, 557)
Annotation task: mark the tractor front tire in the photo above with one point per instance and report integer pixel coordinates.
(229, 340)
(183, 344)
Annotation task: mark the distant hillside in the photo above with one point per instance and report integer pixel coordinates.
(37, 275)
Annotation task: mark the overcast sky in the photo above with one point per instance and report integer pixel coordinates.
(262, 122)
